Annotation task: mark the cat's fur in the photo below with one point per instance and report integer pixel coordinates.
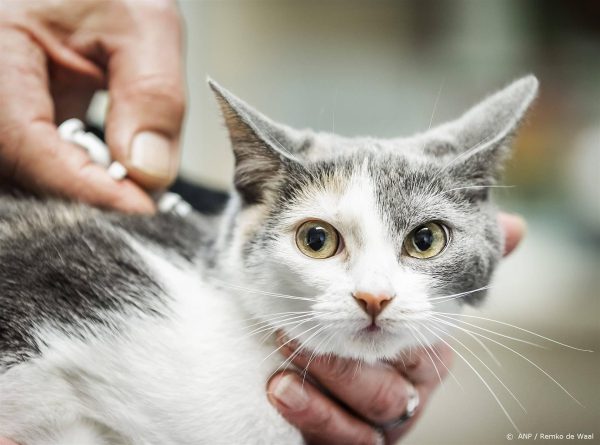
(135, 329)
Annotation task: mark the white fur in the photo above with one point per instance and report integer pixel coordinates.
(194, 377)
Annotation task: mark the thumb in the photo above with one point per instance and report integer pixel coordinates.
(147, 101)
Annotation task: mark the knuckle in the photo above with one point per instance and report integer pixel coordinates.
(166, 8)
(388, 402)
(163, 12)
(161, 93)
(158, 87)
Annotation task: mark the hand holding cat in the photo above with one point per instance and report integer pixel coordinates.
(375, 394)
(54, 56)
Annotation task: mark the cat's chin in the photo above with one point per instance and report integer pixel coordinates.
(376, 345)
(366, 345)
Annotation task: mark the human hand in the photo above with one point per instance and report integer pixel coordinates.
(55, 55)
(375, 394)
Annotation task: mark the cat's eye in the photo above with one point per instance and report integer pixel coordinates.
(317, 239)
(426, 241)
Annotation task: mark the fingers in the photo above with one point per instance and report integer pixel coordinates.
(319, 418)
(49, 165)
(425, 367)
(514, 228)
(6, 442)
(146, 91)
(376, 392)
(31, 152)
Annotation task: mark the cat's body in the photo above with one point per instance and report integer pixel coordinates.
(138, 330)
(170, 364)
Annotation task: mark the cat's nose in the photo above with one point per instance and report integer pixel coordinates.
(372, 304)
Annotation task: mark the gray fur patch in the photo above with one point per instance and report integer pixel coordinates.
(68, 267)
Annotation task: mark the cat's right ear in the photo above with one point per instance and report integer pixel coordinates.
(258, 146)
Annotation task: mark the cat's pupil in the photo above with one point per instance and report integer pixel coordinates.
(423, 239)
(315, 238)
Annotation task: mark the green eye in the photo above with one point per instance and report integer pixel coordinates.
(317, 239)
(426, 241)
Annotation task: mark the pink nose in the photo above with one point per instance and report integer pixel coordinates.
(373, 305)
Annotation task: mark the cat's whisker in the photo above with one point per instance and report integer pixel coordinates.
(313, 355)
(262, 292)
(286, 362)
(485, 383)
(530, 362)
(277, 318)
(460, 294)
(272, 327)
(298, 350)
(402, 359)
(411, 328)
(291, 340)
(480, 360)
(274, 314)
(280, 326)
(520, 340)
(357, 368)
(437, 356)
(467, 187)
(485, 348)
(515, 327)
(435, 104)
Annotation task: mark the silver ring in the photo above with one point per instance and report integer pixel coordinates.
(411, 408)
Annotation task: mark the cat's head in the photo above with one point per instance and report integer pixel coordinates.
(350, 245)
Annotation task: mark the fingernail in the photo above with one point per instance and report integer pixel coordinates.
(151, 153)
(290, 393)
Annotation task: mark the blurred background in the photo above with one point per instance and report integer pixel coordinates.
(377, 68)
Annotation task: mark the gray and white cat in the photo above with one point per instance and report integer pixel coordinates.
(138, 329)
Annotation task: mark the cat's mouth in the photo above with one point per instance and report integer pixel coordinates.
(372, 328)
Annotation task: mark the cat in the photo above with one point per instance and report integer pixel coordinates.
(127, 329)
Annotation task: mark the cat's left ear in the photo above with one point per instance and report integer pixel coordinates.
(484, 133)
